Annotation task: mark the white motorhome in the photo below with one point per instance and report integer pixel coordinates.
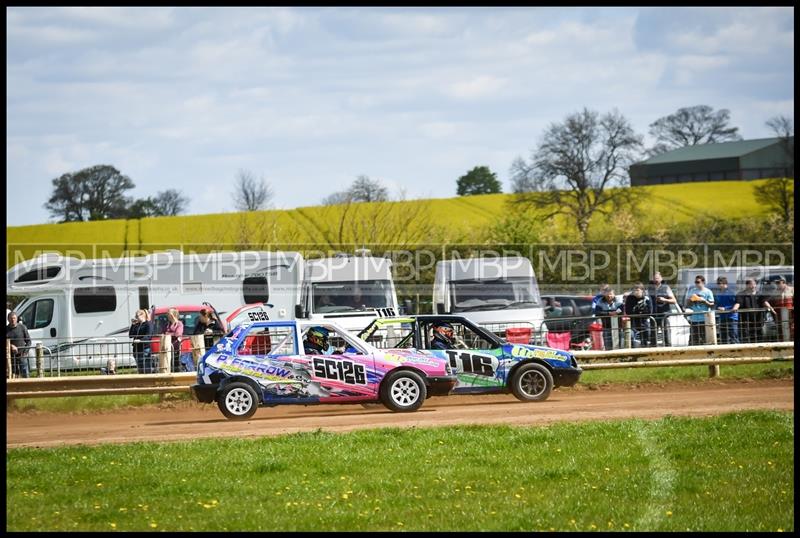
(68, 298)
(498, 293)
(351, 289)
(736, 275)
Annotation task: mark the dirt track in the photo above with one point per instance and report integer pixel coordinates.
(187, 420)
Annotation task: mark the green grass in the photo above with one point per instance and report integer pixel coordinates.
(727, 473)
(458, 219)
(772, 370)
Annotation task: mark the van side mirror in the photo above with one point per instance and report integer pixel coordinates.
(299, 312)
(440, 309)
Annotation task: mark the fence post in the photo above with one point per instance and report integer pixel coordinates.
(711, 339)
(9, 371)
(626, 328)
(784, 333)
(614, 332)
(39, 355)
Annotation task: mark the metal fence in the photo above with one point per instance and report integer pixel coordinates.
(115, 355)
(618, 331)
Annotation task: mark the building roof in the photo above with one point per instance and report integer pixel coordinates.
(722, 150)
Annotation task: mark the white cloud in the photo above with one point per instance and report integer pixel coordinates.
(476, 87)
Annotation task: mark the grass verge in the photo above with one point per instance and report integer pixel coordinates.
(727, 473)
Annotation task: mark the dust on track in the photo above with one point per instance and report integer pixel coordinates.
(182, 421)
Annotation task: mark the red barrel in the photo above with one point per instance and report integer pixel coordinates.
(596, 332)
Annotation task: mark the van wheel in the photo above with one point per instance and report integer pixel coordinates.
(237, 401)
(532, 382)
(403, 391)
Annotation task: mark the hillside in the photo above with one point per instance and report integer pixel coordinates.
(406, 223)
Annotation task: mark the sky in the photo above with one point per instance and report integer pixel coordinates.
(311, 98)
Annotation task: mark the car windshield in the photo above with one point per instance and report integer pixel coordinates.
(351, 296)
(494, 294)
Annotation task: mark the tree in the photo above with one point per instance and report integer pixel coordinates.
(169, 203)
(778, 193)
(783, 127)
(691, 126)
(363, 189)
(142, 208)
(251, 194)
(479, 180)
(586, 156)
(93, 193)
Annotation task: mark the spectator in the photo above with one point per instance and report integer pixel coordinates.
(782, 297)
(608, 305)
(210, 325)
(600, 293)
(661, 297)
(639, 308)
(700, 300)
(17, 332)
(727, 313)
(141, 330)
(175, 328)
(750, 323)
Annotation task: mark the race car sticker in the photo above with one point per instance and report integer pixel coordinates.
(472, 363)
(345, 371)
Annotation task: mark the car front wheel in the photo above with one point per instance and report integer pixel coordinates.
(403, 391)
(532, 383)
(238, 401)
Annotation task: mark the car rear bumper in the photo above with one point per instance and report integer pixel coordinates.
(205, 393)
(442, 385)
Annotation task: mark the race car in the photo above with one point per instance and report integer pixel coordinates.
(483, 361)
(303, 362)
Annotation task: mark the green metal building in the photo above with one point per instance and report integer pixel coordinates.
(743, 160)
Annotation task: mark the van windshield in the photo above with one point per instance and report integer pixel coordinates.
(351, 296)
(494, 294)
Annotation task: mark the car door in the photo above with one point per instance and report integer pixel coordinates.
(346, 371)
(476, 359)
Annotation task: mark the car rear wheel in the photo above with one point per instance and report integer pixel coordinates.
(238, 401)
(403, 391)
(532, 383)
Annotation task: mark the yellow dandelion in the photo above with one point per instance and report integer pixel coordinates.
(517, 495)
(113, 525)
(344, 496)
(153, 524)
(669, 513)
(593, 526)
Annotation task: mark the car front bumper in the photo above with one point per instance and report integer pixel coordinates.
(566, 377)
(205, 393)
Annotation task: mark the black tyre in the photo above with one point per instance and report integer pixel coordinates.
(237, 401)
(403, 391)
(532, 382)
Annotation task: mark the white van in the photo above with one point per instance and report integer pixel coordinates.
(499, 293)
(68, 299)
(350, 289)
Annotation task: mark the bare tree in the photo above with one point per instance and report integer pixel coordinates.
(251, 194)
(691, 126)
(170, 203)
(577, 165)
(778, 193)
(337, 198)
(363, 189)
